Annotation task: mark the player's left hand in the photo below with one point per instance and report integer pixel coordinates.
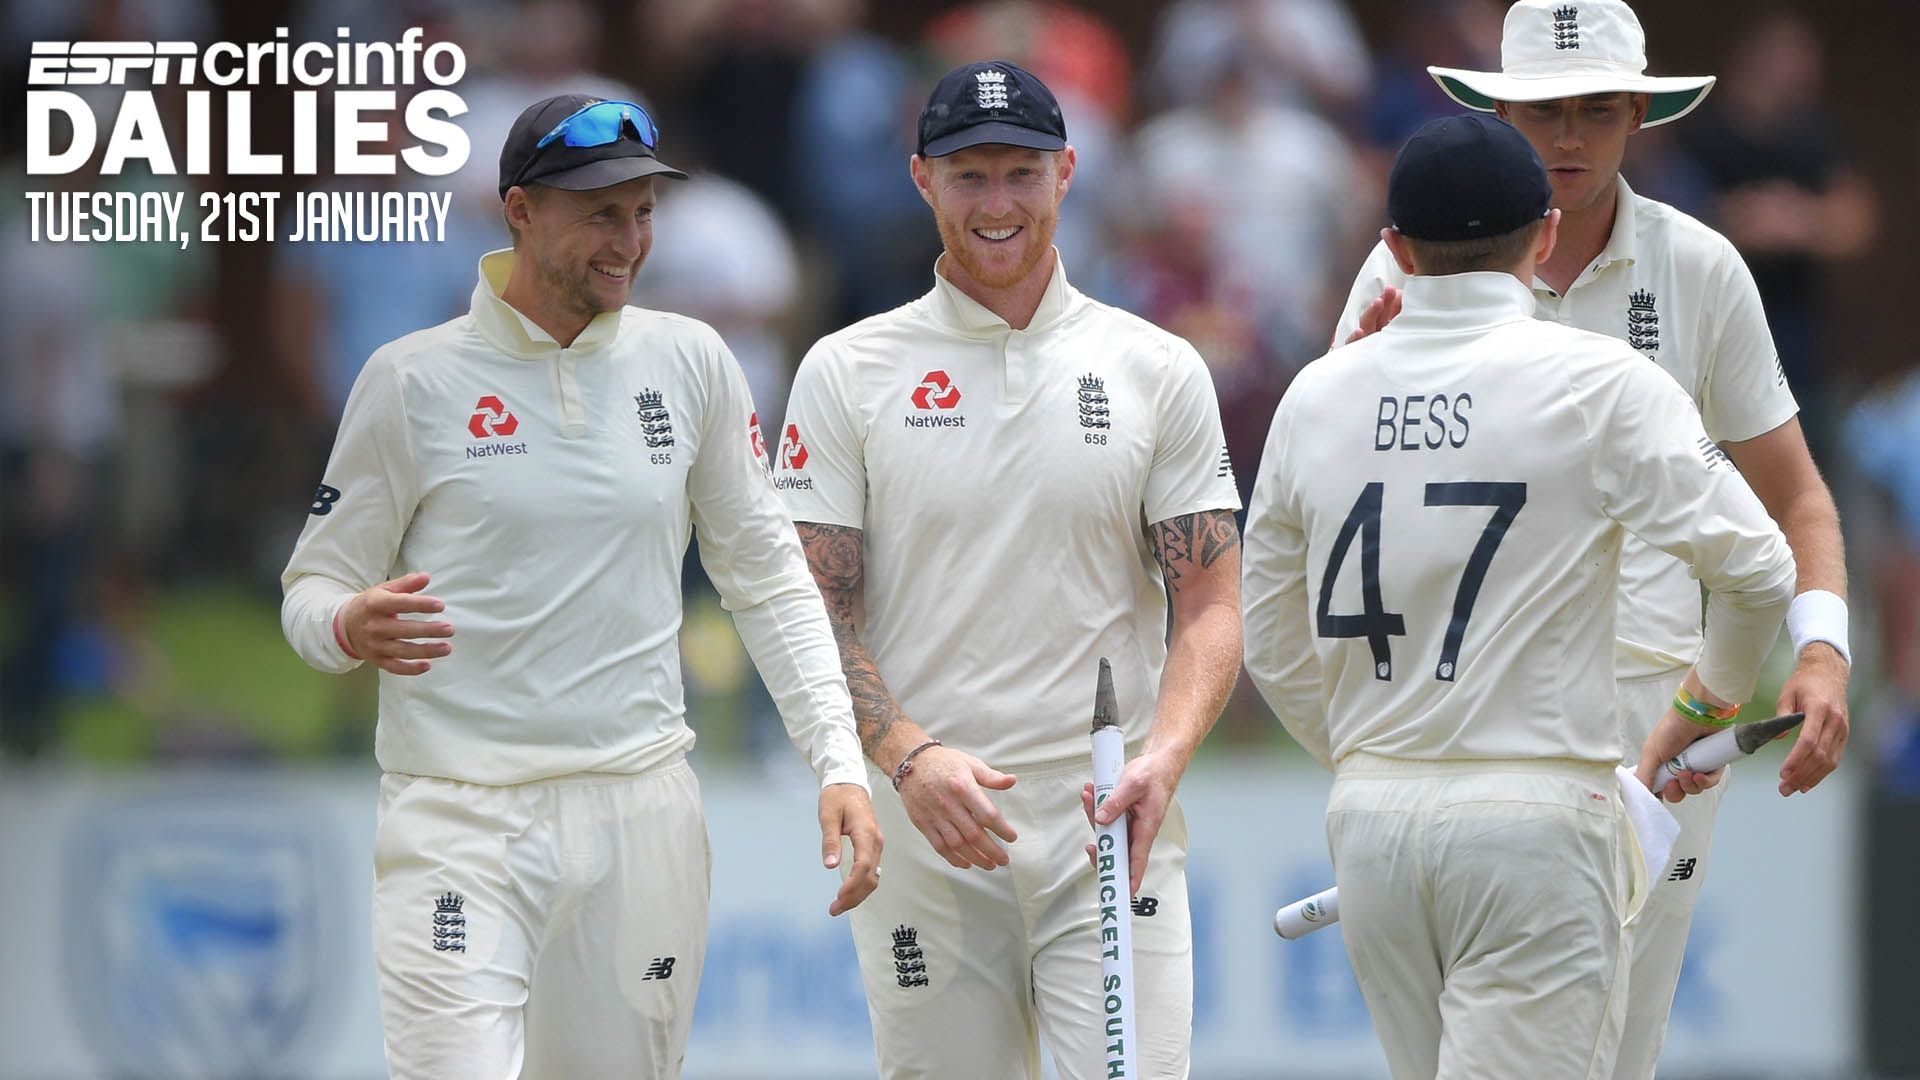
(1818, 687)
(845, 810)
(1145, 790)
(1671, 735)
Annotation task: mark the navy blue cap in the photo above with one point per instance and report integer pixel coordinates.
(1466, 177)
(991, 102)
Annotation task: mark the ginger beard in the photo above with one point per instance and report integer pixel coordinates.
(989, 190)
(992, 268)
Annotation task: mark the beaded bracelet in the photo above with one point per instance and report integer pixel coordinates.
(1702, 713)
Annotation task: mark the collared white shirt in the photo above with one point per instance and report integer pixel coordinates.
(550, 492)
(1004, 481)
(1431, 553)
(1679, 294)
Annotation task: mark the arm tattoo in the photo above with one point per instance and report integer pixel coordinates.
(835, 556)
(1180, 542)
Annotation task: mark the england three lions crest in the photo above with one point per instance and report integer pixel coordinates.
(1094, 410)
(1566, 27)
(909, 959)
(990, 89)
(449, 923)
(656, 423)
(1643, 322)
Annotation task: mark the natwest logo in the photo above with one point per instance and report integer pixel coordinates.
(936, 391)
(793, 452)
(793, 458)
(490, 417)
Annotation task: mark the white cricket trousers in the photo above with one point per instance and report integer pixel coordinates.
(965, 969)
(1660, 931)
(549, 929)
(1483, 906)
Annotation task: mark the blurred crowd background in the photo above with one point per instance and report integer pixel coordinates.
(166, 412)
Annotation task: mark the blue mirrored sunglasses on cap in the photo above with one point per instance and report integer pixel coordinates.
(599, 124)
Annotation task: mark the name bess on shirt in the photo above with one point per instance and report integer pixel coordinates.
(1422, 422)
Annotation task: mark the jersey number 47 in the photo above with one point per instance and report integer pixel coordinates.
(1375, 622)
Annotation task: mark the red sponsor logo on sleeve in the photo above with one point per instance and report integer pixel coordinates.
(793, 452)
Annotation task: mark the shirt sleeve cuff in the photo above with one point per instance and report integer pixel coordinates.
(846, 774)
(340, 636)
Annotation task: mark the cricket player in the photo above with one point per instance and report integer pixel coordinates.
(1431, 579)
(1644, 273)
(541, 862)
(996, 485)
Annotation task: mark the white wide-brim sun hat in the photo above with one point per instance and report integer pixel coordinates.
(1551, 49)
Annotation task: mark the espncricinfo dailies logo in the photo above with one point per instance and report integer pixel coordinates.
(74, 123)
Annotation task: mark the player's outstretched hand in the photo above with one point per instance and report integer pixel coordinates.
(945, 799)
(1818, 687)
(1377, 314)
(1671, 735)
(846, 811)
(1145, 789)
(372, 626)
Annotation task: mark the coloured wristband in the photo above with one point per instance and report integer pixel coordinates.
(1818, 615)
(340, 636)
(1702, 713)
(901, 770)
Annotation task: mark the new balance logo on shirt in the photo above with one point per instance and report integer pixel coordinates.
(323, 500)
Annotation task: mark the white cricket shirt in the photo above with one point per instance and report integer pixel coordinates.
(1430, 560)
(549, 492)
(1004, 480)
(1678, 293)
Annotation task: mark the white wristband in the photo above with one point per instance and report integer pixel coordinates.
(1818, 615)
